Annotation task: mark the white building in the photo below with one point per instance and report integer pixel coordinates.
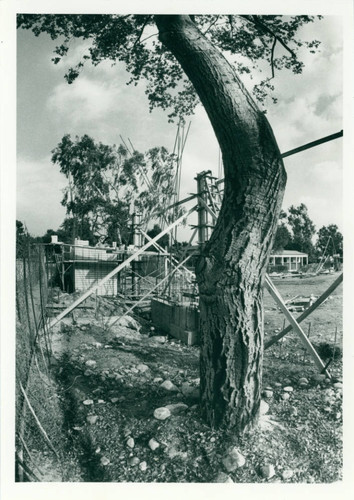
(292, 259)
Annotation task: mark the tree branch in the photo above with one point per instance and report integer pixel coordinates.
(272, 56)
(211, 25)
(254, 20)
(141, 32)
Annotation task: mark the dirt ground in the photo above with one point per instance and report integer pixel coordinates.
(111, 381)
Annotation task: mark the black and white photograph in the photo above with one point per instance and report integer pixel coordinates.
(177, 225)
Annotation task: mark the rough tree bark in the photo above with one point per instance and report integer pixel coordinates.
(231, 269)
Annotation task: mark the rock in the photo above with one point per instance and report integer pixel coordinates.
(288, 388)
(101, 401)
(338, 385)
(114, 400)
(91, 363)
(131, 442)
(303, 381)
(187, 389)
(87, 402)
(233, 460)
(287, 474)
(285, 396)
(104, 461)
(169, 386)
(157, 380)
(143, 466)
(88, 373)
(264, 407)
(267, 394)
(162, 413)
(267, 471)
(143, 368)
(277, 384)
(98, 345)
(92, 419)
(177, 408)
(160, 338)
(153, 444)
(287, 381)
(223, 478)
(129, 322)
(133, 461)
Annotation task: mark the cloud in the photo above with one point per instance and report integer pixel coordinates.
(84, 100)
(39, 185)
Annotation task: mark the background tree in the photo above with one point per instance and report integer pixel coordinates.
(303, 230)
(183, 65)
(21, 239)
(330, 240)
(104, 181)
(163, 241)
(282, 238)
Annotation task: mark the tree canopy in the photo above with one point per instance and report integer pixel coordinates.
(103, 181)
(247, 40)
(330, 240)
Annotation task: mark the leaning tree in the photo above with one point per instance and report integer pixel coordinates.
(184, 62)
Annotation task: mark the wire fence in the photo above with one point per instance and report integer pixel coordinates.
(33, 357)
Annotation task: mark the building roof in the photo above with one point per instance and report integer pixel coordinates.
(287, 253)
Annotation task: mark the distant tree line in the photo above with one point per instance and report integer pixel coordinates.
(296, 231)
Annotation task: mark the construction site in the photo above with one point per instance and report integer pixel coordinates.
(110, 334)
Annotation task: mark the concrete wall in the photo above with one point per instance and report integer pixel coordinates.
(85, 275)
(180, 321)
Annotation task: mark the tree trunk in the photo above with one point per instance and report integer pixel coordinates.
(233, 263)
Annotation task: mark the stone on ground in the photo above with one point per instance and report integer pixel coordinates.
(143, 466)
(129, 322)
(131, 442)
(169, 386)
(87, 402)
(153, 444)
(91, 363)
(162, 413)
(288, 388)
(133, 461)
(223, 478)
(287, 474)
(160, 339)
(92, 419)
(267, 471)
(143, 368)
(233, 460)
(104, 461)
(177, 408)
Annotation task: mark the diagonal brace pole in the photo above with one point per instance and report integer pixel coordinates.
(306, 313)
(117, 269)
(297, 328)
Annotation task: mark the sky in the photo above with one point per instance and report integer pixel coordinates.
(101, 105)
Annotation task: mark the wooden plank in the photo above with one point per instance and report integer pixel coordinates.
(164, 252)
(118, 268)
(306, 313)
(297, 328)
(207, 208)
